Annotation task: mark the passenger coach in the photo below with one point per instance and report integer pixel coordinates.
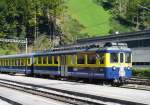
(110, 61)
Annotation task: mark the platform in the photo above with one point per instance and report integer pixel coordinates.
(138, 96)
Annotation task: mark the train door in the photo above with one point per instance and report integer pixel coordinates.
(121, 71)
(64, 67)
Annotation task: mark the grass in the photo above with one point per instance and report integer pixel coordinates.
(93, 17)
(141, 72)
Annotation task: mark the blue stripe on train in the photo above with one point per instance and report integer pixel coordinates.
(83, 73)
(20, 69)
(92, 73)
(86, 75)
(53, 70)
(107, 73)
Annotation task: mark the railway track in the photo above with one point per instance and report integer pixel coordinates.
(63, 95)
(139, 81)
(135, 86)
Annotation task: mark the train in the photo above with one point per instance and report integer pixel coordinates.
(103, 61)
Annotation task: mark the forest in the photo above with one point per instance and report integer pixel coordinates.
(47, 23)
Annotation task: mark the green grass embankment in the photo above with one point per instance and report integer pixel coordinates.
(93, 17)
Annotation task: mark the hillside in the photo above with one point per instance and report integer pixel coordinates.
(93, 17)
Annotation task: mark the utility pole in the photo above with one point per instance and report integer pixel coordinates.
(26, 45)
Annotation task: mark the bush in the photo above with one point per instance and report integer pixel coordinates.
(141, 72)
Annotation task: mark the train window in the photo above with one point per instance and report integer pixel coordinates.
(49, 59)
(121, 57)
(12, 62)
(39, 60)
(9, 62)
(15, 62)
(28, 61)
(55, 59)
(113, 57)
(22, 61)
(2, 62)
(128, 57)
(80, 58)
(73, 59)
(18, 62)
(5, 62)
(45, 60)
(101, 57)
(35, 60)
(91, 58)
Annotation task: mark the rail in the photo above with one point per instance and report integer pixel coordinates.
(63, 95)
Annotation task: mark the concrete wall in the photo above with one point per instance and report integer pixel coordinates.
(141, 54)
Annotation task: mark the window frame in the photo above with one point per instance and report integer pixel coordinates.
(121, 57)
(84, 60)
(57, 59)
(130, 57)
(113, 57)
(89, 56)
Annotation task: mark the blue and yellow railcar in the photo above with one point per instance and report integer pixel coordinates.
(110, 61)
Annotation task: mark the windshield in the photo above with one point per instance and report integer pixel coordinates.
(128, 57)
(113, 57)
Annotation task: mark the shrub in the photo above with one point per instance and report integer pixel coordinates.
(141, 72)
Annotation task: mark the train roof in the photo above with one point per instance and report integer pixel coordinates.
(17, 55)
(77, 49)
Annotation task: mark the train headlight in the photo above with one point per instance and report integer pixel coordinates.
(114, 68)
(128, 67)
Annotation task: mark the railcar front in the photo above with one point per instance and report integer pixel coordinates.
(118, 64)
(111, 62)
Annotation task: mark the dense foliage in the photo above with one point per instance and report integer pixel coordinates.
(67, 20)
(141, 72)
(29, 18)
(131, 13)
